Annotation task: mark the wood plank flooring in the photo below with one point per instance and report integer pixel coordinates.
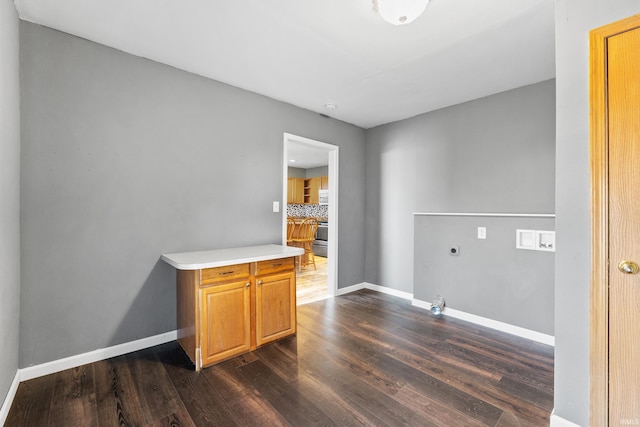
(362, 359)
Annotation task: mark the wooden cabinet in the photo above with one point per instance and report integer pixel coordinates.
(311, 188)
(295, 190)
(225, 318)
(324, 182)
(275, 300)
(230, 310)
(305, 190)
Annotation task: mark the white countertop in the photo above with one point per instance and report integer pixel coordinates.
(223, 257)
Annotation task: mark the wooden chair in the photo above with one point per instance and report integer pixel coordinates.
(304, 235)
(291, 228)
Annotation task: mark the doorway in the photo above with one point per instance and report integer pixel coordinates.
(615, 212)
(315, 154)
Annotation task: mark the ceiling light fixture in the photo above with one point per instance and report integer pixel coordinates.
(399, 12)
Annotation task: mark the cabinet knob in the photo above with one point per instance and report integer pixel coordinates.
(259, 282)
(247, 285)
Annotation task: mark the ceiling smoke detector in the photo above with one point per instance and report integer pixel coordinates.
(399, 12)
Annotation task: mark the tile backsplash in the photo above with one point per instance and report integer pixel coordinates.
(319, 211)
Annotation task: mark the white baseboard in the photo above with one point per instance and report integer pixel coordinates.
(493, 324)
(557, 421)
(54, 366)
(8, 400)
(94, 356)
(353, 288)
(479, 320)
(377, 288)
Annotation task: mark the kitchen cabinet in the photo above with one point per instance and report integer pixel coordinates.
(305, 190)
(230, 305)
(311, 188)
(324, 182)
(295, 190)
(275, 300)
(225, 319)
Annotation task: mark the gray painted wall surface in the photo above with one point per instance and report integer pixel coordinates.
(296, 172)
(494, 154)
(574, 20)
(125, 159)
(490, 277)
(308, 173)
(319, 171)
(9, 196)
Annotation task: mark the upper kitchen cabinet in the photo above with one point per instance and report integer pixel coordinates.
(305, 190)
(311, 189)
(295, 190)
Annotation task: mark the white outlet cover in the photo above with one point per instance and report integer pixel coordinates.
(276, 206)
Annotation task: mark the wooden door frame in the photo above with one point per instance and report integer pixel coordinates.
(599, 164)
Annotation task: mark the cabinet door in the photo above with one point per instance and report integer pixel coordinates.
(275, 307)
(291, 188)
(324, 182)
(315, 190)
(295, 190)
(225, 320)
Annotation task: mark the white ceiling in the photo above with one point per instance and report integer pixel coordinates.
(305, 156)
(310, 53)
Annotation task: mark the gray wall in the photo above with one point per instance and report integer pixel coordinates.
(319, 171)
(296, 172)
(124, 159)
(308, 173)
(9, 196)
(494, 154)
(489, 277)
(574, 20)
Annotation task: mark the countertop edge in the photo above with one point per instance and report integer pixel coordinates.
(223, 257)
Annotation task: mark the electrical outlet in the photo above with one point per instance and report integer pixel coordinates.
(276, 206)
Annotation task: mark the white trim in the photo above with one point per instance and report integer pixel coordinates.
(514, 215)
(8, 400)
(54, 366)
(423, 304)
(493, 324)
(333, 152)
(377, 288)
(472, 318)
(390, 291)
(556, 421)
(353, 288)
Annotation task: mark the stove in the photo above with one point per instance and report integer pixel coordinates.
(322, 236)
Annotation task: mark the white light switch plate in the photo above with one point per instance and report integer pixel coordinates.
(276, 206)
(482, 232)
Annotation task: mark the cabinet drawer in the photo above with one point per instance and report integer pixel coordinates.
(274, 266)
(223, 274)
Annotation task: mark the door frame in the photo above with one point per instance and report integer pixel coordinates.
(332, 246)
(599, 158)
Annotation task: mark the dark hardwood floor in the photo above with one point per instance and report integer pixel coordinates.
(361, 359)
